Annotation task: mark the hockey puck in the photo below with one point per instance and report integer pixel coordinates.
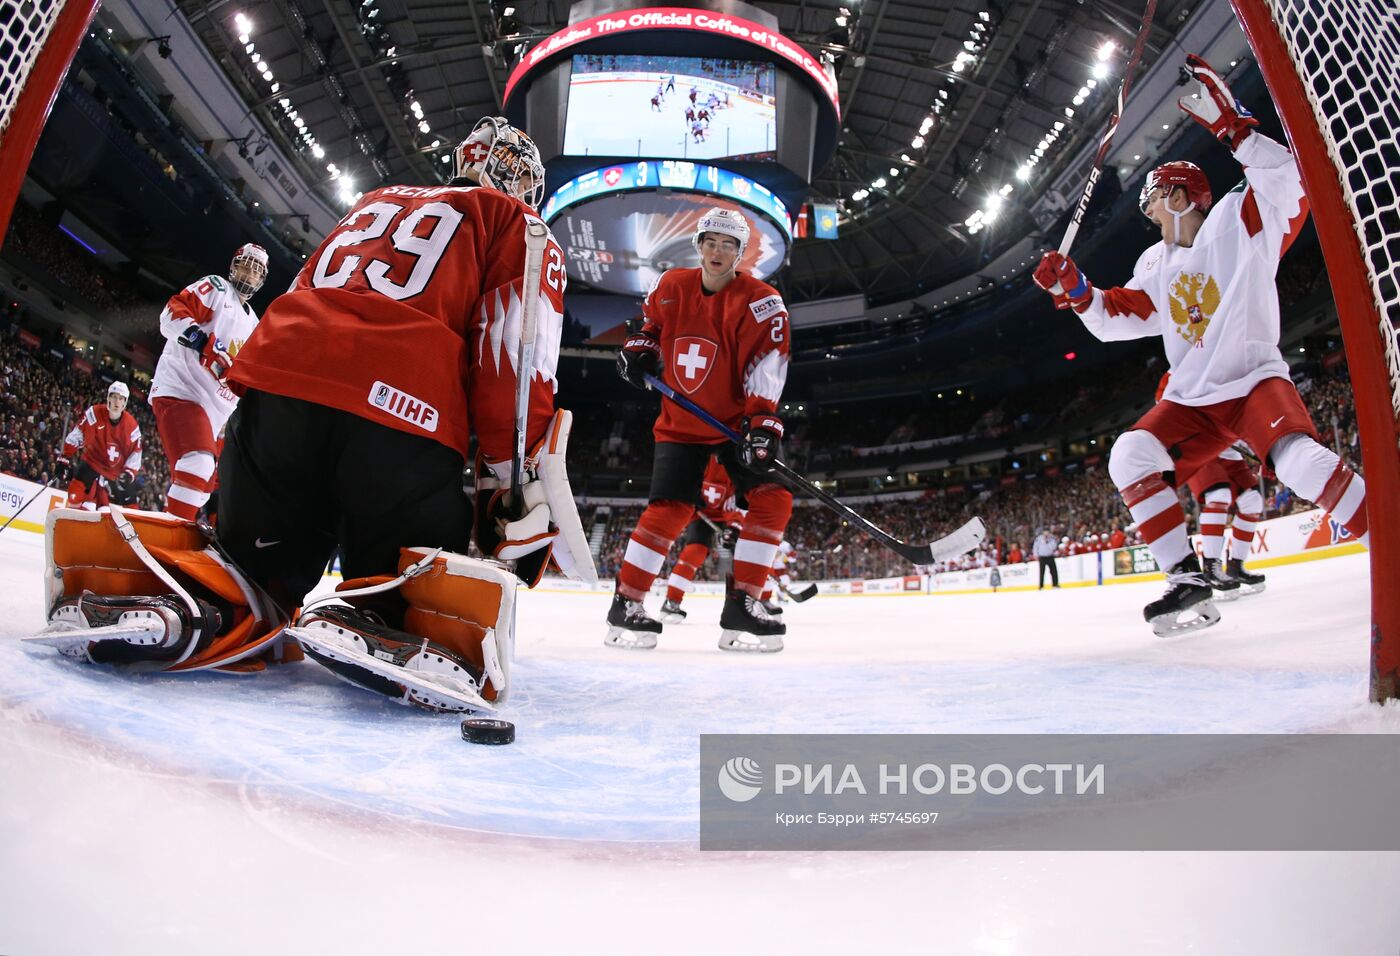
(488, 730)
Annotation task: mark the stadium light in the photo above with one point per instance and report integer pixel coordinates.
(1106, 51)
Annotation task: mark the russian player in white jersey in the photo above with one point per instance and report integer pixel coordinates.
(205, 326)
(1208, 290)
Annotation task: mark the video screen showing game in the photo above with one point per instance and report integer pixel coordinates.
(671, 107)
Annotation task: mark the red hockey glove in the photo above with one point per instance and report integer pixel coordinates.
(1059, 276)
(212, 354)
(1215, 107)
(640, 356)
(762, 444)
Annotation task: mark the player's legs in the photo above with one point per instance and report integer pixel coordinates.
(188, 437)
(1274, 421)
(1137, 466)
(1215, 514)
(1249, 507)
(695, 550)
(677, 473)
(770, 509)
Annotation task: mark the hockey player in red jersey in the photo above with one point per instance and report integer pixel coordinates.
(1208, 290)
(361, 390)
(205, 326)
(721, 337)
(716, 508)
(109, 441)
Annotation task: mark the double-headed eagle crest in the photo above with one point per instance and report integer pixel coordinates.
(1194, 299)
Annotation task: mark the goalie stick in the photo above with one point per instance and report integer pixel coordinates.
(959, 541)
(536, 238)
(1078, 218)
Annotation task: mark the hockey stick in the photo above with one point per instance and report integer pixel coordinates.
(536, 238)
(960, 541)
(806, 594)
(34, 498)
(1078, 218)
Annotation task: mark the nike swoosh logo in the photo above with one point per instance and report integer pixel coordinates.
(260, 543)
(1274, 423)
(667, 301)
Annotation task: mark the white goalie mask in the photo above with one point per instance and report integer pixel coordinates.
(502, 157)
(723, 222)
(253, 260)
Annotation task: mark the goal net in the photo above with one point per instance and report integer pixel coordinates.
(1332, 69)
(37, 41)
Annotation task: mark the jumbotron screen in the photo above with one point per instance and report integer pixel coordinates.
(676, 108)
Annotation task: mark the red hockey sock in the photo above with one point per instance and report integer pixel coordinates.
(687, 565)
(770, 507)
(1155, 508)
(659, 525)
(1344, 498)
(1214, 514)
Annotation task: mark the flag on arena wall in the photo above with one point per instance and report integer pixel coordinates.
(825, 220)
(799, 227)
(28, 339)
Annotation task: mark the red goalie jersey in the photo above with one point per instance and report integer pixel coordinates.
(727, 351)
(437, 343)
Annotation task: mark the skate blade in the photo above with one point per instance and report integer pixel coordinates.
(434, 691)
(1169, 625)
(626, 640)
(1251, 589)
(71, 641)
(745, 643)
(671, 618)
(1225, 597)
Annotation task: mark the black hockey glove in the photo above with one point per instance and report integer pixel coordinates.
(762, 444)
(124, 487)
(194, 338)
(62, 468)
(640, 356)
(729, 537)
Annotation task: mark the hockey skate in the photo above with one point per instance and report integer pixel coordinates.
(359, 648)
(629, 625)
(107, 629)
(1188, 593)
(1250, 583)
(1225, 586)
(672, 613)
(771, 607)
(747, 627)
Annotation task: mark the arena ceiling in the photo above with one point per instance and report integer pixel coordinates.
(351, 71)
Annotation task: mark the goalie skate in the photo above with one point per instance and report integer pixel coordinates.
(360, 650)
(1187, 605)
(106, 629)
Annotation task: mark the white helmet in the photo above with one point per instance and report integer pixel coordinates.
(498, 155)
(255, 257)
(725, 222)
(119, 388)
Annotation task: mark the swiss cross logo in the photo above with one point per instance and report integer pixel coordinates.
(692, 358)
(613, 176)
(476, 152)
(712, 494)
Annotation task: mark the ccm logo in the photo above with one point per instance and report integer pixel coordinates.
(403, 405)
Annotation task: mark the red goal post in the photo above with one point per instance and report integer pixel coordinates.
(38, 39)
(1331, 67)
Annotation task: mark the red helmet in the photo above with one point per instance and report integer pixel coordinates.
(1180, 173)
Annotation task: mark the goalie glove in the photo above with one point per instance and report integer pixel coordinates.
(212, 354)
(1059, 276)
(1215, 107)
(547, 524)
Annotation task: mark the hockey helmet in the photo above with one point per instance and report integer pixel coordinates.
(254, 258)
(118, 388)
(724, 222)
(1168, 176)
(498, 155)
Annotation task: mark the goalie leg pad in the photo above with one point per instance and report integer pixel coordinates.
(148, 590)
(458, 631)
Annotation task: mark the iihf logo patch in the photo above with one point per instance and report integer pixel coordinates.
(403, 406)
(381, 395)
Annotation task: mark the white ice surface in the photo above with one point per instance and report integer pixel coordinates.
(289, 812)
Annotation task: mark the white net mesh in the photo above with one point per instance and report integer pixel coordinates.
(1347, 54)
(26, 26)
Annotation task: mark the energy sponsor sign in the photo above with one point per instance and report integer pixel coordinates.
(1049, 792)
